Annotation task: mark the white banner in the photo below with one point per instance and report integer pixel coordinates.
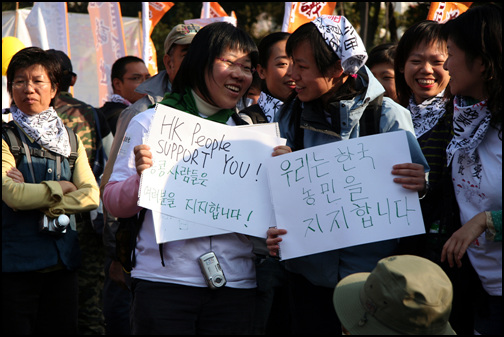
(208, 173)
(108, 33)
(48, 24)
(342, 194)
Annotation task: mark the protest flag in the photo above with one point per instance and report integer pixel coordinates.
(444, 11)
(48, 24)
(212, 10)
(108, 34)
(298, 13)
(152, 12)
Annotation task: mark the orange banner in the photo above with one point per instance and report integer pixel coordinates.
(108, 33)
(444, 11)
(212, 10)
(299, 13)
(156, 12)
(152, 12)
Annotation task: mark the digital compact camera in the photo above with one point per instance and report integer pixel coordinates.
(55, 226)
(212, 271)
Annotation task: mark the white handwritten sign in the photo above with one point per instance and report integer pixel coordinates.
(169, 228)
(342, 194)
(207, 173)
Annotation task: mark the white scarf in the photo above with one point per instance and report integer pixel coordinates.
(341, 36)
(269, 105)
(45, 128)
(426, 114)
(119, 99)
(470, 125)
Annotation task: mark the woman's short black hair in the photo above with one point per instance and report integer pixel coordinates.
(426, 31)
(30, 56)
(208, 44)
(325, 57)
(266, 43)
(382, 53)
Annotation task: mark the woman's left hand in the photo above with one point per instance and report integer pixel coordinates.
(413, 176)
(15, 175)
(456, 246)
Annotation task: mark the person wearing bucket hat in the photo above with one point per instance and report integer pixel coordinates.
(338, 98)
(403, 295)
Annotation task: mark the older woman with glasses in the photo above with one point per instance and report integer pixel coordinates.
(39, 263)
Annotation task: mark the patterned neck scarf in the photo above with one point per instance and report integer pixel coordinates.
(45, 128)
(187, 103)
(470, 125)
(119, 99)
(426, 114)
(269, 105)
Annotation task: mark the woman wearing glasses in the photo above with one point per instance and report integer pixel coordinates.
(174, 299)
(39, 278)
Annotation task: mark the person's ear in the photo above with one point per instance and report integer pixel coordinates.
(74, 79)
(167, 61)
(337, 71)
(261, 72)
(116, 86)
(53, 92)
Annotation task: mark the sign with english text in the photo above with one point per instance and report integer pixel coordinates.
(208, 174)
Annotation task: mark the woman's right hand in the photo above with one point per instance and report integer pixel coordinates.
(273, 240)
(67, 186)
(15, 175)
(143, 158)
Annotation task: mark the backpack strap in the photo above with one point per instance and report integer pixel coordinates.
(10, 135)
(133, 239)
(370, 120)
(73, 148)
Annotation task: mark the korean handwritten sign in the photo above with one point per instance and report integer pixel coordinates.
(342, 194)
(207, 173)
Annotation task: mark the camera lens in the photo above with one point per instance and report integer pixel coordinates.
(62, 222)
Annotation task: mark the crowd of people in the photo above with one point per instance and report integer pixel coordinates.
(71, 177)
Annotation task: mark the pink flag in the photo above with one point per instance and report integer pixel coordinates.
(108, 33)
